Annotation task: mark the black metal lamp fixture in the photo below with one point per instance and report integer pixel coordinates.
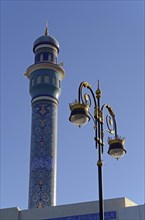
(80, 115)
(116, 147)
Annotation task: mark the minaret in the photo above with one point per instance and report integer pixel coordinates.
(45, 77)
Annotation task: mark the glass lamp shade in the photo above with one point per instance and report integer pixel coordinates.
(79, 114)
(116, 148)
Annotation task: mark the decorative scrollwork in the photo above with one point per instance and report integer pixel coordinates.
(86, 99)
(109, 122)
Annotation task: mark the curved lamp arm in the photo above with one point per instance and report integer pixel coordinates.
(80, 92)
(108, 107)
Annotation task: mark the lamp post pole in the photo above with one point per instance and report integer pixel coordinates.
(80, 115)
(99, 145)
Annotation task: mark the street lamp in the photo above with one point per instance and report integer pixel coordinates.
(80, 115)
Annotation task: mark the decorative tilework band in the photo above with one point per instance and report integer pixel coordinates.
(110, 215)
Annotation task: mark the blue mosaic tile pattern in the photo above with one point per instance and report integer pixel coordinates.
(42, 186)
(108, 216)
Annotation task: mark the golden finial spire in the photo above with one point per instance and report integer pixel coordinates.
(98, 92)
(98, 84)
(46, 30)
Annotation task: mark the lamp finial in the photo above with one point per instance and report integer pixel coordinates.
(98, 84)
(98, 92)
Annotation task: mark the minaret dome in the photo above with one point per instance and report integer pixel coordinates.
(46, 40)
(46, 48)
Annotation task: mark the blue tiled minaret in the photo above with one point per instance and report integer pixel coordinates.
(45, 77)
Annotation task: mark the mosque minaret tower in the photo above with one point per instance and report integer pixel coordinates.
(45, 77)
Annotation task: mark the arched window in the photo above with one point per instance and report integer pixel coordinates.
(59, 84)
(38, 79)
(45, 56)
(46, 79)
(54, 81)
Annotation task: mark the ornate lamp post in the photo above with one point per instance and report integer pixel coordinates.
(80, 115)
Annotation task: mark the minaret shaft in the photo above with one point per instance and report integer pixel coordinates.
(42, 186)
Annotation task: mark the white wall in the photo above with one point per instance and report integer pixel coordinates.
(132, 213)
(85, 208)
(9, 214)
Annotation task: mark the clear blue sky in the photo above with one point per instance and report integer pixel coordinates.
(98, 40)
